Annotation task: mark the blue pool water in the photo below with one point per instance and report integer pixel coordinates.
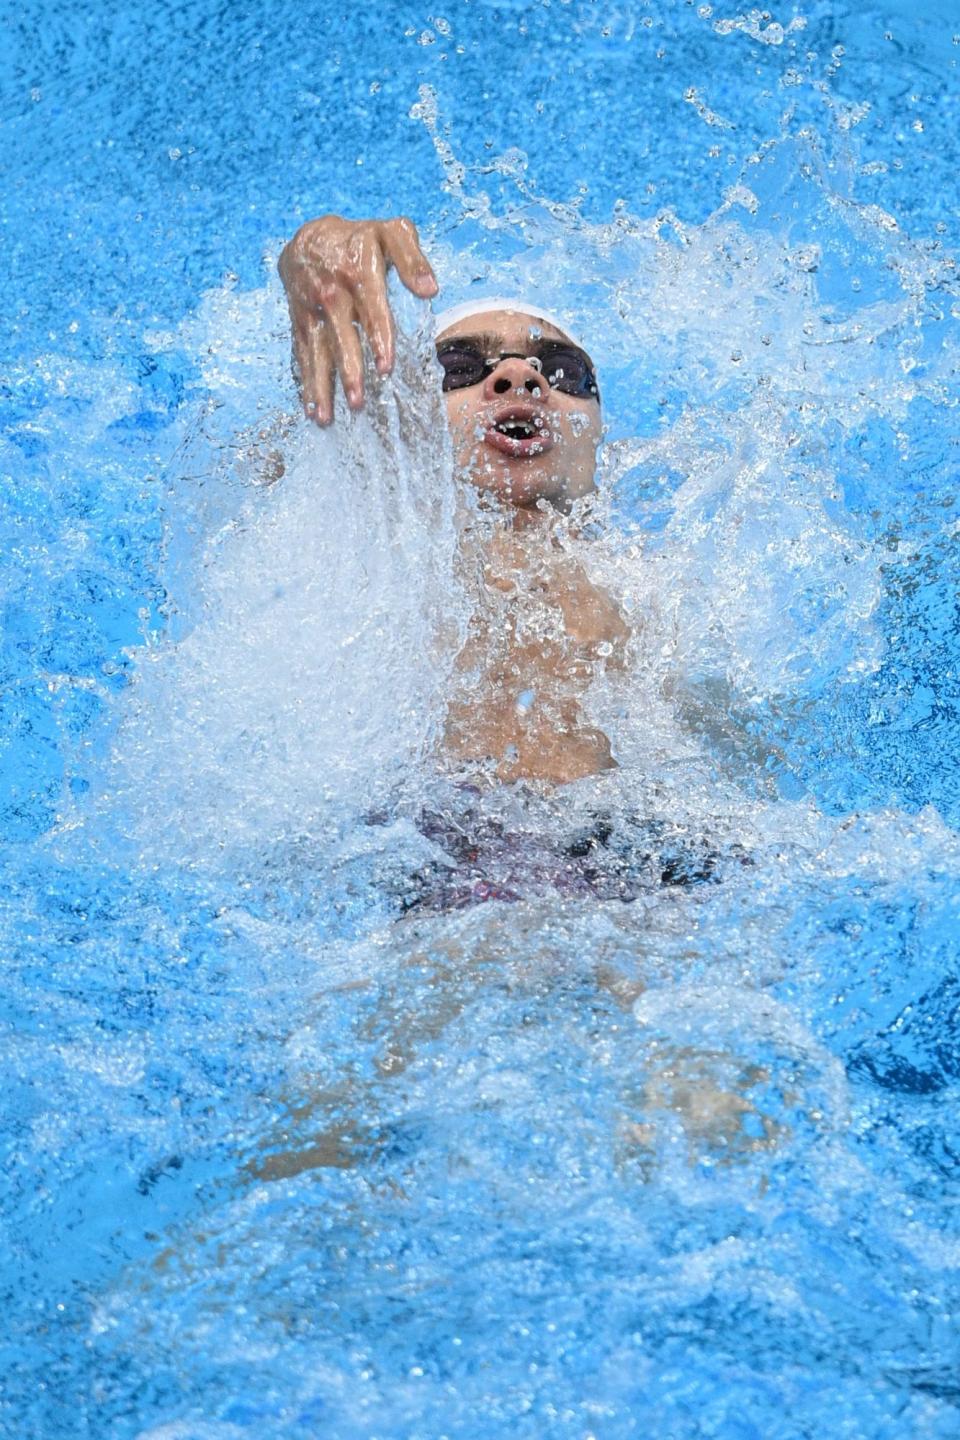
(275, 1162)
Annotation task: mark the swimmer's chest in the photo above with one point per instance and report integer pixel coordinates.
(543, 614)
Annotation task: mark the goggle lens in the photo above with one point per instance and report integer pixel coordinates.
(563, 367)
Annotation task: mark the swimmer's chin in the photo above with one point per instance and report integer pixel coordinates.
(520, 489)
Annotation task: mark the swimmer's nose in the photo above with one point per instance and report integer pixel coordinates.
(514, 373)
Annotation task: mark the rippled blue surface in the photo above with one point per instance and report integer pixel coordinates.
(506, 1257)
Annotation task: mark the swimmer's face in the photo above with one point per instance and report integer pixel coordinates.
(515, 437)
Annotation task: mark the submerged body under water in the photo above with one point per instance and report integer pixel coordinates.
(352, 1093)
(558, 1151)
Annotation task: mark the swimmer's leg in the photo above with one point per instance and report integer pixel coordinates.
(710, 1093)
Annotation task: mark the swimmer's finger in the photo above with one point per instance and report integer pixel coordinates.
(313, 362)
(301, 357)
(303, 290)
(402, 246)
(318, 396)
(374, 306)
(300, 338)
(315, 367)
(339, 311)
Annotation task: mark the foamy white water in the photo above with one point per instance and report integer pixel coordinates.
(322, 611)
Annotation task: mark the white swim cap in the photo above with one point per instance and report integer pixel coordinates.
(502, 302)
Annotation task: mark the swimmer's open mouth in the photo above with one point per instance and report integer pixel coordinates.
(519, 431)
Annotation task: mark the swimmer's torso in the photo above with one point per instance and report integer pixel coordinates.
(539, 632)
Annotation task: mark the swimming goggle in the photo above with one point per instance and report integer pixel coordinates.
(561, 364)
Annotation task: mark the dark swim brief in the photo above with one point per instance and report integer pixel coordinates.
(604, 861)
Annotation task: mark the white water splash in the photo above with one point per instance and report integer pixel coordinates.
(325, 614)
(312, 656)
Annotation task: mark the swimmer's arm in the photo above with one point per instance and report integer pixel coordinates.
(335, 274)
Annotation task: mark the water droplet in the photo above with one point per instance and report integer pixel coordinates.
(807, 257)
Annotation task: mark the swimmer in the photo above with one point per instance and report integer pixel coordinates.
(523, 408)
(524, 416)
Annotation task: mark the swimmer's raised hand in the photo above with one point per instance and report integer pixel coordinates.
(335, 275)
